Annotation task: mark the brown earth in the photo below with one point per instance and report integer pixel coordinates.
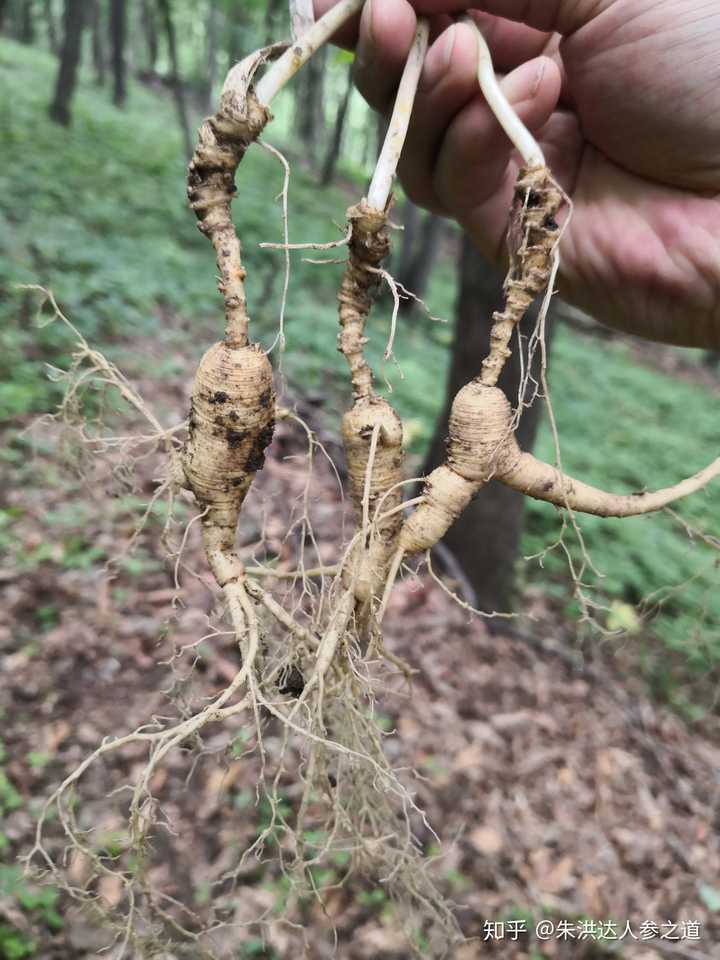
(560, 792)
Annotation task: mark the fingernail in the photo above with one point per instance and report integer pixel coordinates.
(439, 58)
(365, 53)
(539, 77)
(524, 82)
(368, 14)
(449, 46)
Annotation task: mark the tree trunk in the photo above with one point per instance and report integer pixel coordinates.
(118, 34)
(309, 104)
(52, 32)
(27, 22)
(302, 17)
(149, 25)
(410, 222)
(486, 539)
(212, 34)
(235, 25)
(98, 45)
(73, 23)
(234, 45)
(416, 263)
(3, 13)
(272, 10)
(177, 86)
(368, 150)
(333, 155)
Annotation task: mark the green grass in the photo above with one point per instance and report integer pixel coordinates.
(625, 428)
(37, 904)
(98, 214)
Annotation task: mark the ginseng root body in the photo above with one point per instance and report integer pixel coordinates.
(372, 430)
(232, 419)
(480, 443)
(482, 446)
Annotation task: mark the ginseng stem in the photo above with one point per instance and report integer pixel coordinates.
(524, 142)
(382, 181)
(299, 52)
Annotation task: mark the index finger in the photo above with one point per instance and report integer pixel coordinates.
(554, 16)
(511, 43)
(347, 35)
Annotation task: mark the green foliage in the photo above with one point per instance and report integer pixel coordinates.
(271, 816)
(257, 948)
(10, 798)
(625, 427)
(710, 896)
(38, 904)
(14, 945)
(373, 899)
(38, 759)
(113, 844)
(107, 228)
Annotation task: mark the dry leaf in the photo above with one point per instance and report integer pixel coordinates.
(487, 840)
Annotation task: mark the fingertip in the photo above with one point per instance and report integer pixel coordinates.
(448, 83)
(452, 60)
(437, 59)
(387, 31)
(391, 25)
(549, 79)
(347, 35)
(477, 162)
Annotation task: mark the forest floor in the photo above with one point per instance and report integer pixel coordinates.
(560, 792)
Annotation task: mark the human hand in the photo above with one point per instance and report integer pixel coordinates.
(624, 98)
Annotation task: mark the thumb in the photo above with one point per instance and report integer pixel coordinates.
(557, 16)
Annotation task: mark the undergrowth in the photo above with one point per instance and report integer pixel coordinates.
(103, 222)
(620, 424)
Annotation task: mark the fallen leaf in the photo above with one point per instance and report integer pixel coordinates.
(487, 840)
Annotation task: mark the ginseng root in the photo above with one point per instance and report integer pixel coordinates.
(223, 140)
(369, 245)
(480, 427)
(541, 481)
(482, 444)
(233, 401)
(232, 411)
(232, 417)
(532, 240)
(481, 447)
(372, 430)
(373, 436)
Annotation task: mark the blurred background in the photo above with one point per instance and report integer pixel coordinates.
(99, 104)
